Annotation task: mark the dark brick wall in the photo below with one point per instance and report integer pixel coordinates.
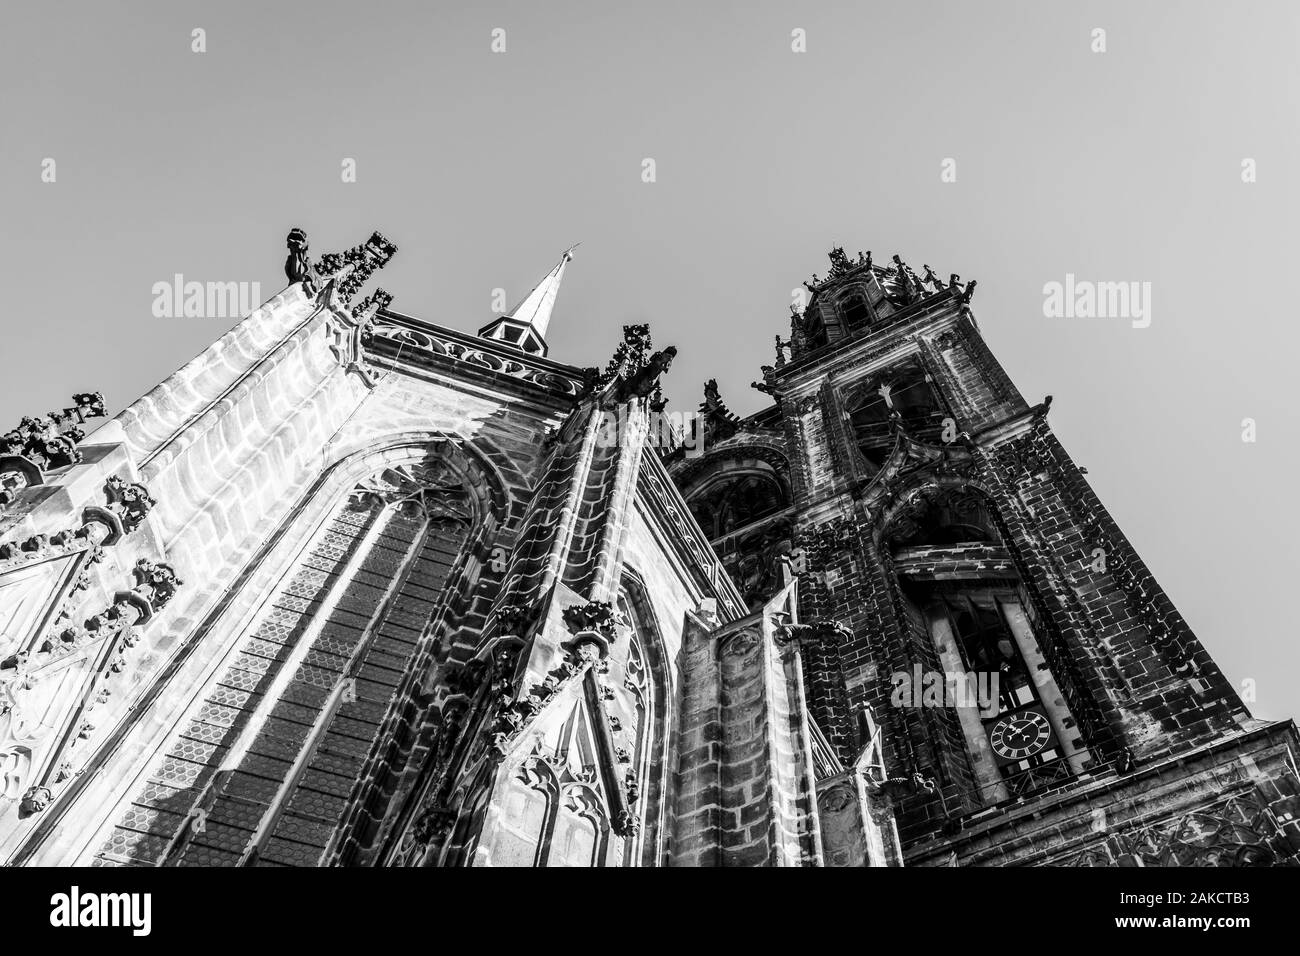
(1138, 684)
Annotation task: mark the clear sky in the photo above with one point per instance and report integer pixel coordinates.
(1117, 166)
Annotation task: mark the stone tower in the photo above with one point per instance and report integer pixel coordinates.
(1039, 699)
(353, 588)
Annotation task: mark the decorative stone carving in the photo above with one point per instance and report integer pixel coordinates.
(842, 265)
(817, 632)
(155, 582)
(768, 385)
(898, 788)
(432, 490)
(595, 617)
(39, 547)
(109, 635)
(297, 268)
(42, 444)
(474, 353)
(1240, 832)
(630, 356)
(347, 270)
(513, 715)
(739, 645)
(627, 823)
(364, 312)
(432, 824)
(359, 262)
(720, 422)
(35, 800)
(516, 619)
(644, 383)
(129, 503)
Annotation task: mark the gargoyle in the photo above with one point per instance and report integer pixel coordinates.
(642, 384)
(814, 632)
(767, 386)
(896, 788)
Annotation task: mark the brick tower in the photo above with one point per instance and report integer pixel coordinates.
(927, 507)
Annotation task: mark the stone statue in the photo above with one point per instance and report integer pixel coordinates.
(296, 267)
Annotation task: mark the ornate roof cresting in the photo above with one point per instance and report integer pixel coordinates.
(41, 444)
(348, 270)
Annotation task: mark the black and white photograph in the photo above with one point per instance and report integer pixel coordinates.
(559, 433)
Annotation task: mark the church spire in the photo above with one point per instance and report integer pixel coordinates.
(525, 325)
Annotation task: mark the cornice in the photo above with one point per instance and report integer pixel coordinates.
(395, 335)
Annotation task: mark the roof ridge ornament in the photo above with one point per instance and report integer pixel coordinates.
(349, 269)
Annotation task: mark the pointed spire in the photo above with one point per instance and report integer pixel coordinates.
(536, 307)
(525, 325)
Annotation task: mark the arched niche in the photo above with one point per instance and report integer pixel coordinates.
(978, 624)
(735, 492)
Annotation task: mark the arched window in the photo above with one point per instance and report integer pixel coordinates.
(329, 651)
(957, 574)
(731, 503)
(645, 689)
(854, 311)
(902, 396)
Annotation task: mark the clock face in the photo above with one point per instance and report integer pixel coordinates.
(1021, 735)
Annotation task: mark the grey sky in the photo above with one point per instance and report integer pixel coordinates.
(483, 167)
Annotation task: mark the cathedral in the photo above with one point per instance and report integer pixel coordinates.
(354, 589)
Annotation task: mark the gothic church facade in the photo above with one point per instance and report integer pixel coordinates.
(354, 589)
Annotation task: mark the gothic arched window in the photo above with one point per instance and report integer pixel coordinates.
(957, 574)
(731, 503)
(643, 684)
(331, 646)
(899, 397)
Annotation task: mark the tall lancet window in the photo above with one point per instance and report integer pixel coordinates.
(644, 702)
(285, 728)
